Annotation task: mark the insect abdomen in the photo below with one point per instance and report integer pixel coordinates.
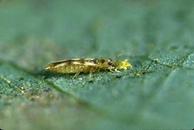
(70, 69)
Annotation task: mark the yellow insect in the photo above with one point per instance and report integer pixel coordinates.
(89, 65)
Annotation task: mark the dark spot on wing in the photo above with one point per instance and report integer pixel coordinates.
(102, 60)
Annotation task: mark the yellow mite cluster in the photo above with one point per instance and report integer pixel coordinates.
(123, 65)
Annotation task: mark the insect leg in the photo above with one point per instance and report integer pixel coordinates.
(76, 75)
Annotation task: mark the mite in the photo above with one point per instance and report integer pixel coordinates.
(89, 65)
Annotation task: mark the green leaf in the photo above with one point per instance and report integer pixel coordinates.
(155, 36)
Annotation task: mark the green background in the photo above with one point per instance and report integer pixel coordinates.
(156, 36)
